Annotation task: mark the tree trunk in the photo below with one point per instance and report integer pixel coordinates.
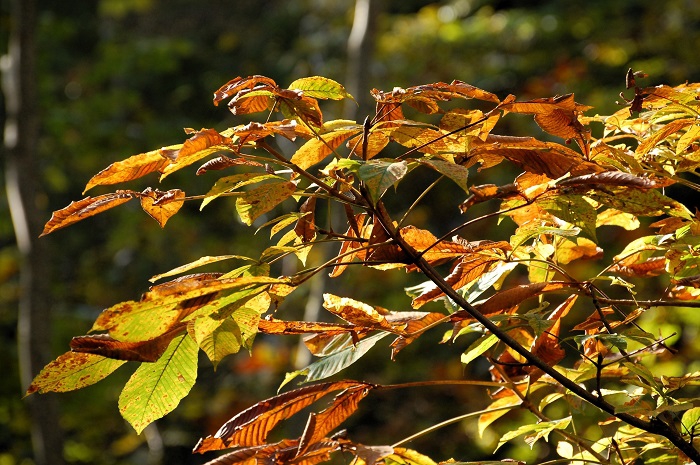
(20, 137)
(361, 44)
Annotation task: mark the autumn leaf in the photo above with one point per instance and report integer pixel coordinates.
(355, 312)
(155, 389)
(239, 84)
(201, 144)
(162, 205)
(315, 150)
(133, 167)
(252, 426)
(141, 351)
(380, 175)
(85, 208)
(257, 202)
(72, 371)
(320, 87)
(320, 424)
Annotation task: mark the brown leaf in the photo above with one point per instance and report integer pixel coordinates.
(610, 178)
(654, 266)
(305, 228)
(514, 296)
(162, 205)
(382, 248)
(202, 143)
(347, 251)
(251, 426)
(85, 208)
(145, 351)
(320, 424)
(251, 455)
(273, 326)
(548, 158)
(482, 256)
(415, 323)
(239, 84)
(223, 162)
(557, 116)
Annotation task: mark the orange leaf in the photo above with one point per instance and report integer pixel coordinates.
(654, 266)
(274, 326)
(305, 228)
(162, 205)
(133, 167)
(251, 426)
(202, 143)
(320, 424)
(557, 116)
(86, 208)
(238, 84)
(347, 251)
(355, 312)
(414, 322)
(509, 298)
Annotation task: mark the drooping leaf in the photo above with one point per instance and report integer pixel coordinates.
(196, 264)
(380, 175)
(133, 167)
(477, 348)
(332, 364)
(142, 351)
(166, 305)
(201, 144)
(261, 200)
(252, 426)
(536, 431)
(455, 172)
(238, 84)
(72, 371)
(236, 181)
(155, 389)
(322, 423)
(162, 205)
(85, 208)
(217, 337)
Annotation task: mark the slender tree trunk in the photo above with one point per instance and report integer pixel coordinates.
(361, 45)
(20, 137)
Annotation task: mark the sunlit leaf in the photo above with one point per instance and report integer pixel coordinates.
(162, 205)
(155, 389)
(85, 208)
(131, 168)
(320, 87)
(535, 431)
(251, 426)
(354, 311)
(477, 348)
(261, 200)
(332, 364)
(455, 172)
(380, 175)
(142, 351)
(236, 181)
(322, 423)
(315, 150)
(72, 371)
(196, 264)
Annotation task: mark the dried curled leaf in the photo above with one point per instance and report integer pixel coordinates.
(162, 205)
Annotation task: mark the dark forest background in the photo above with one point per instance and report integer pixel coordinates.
(114, 78)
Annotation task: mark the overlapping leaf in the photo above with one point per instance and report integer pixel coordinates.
(155, 389)
(252, 426)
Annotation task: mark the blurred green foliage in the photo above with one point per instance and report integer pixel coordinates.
(119, 77)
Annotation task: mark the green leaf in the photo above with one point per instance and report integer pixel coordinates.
(380, 175)
(261, 200)
(231, 183)
(691, 421)
(315, 150)
(573, 209)
(478, 347)
(73, 370)
(217, 338)
(455, 172)
(155, 389)
(332, 364)
(641, 203)
(539, 430)
(320, 87)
